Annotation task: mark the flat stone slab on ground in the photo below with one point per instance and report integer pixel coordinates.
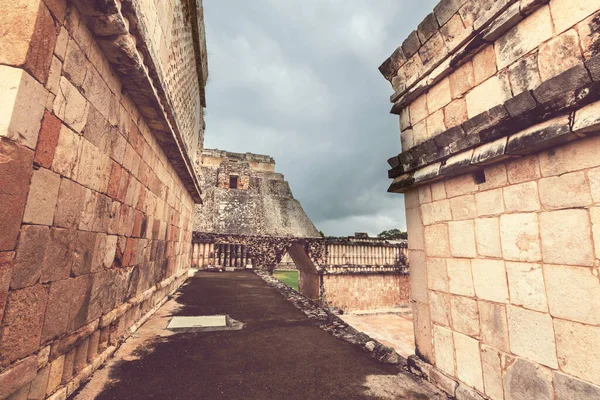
(204, 321)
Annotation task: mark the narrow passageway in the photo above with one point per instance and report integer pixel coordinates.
(279, 354)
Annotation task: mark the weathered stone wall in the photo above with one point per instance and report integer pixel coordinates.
(366, 291)
(97, 197)
(498, 111)
(262, 204)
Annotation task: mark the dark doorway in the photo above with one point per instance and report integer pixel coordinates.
(233, 182)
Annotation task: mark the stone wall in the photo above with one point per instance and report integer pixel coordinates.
(97, 191)
(262, 204)
(499, 115)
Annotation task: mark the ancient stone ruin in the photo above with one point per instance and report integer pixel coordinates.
(499, 111)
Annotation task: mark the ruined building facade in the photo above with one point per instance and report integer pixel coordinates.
(500, 114)
(99, 129)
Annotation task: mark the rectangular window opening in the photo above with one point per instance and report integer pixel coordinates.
(233, 182)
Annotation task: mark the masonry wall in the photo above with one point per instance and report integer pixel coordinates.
(360, 292)
(95, 220)
(499, 116)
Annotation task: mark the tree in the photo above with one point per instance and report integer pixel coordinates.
(393, 234)
(322, 234)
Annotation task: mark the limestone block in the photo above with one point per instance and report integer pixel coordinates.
(76, 64)
(587, 119)
(433, 51)
(468, 361)
(522, 197)
(566, 13)
(42, 198)
(444, 349)
(437, 275)
(523, 169)
(438, 191)
(17, 376)
(465, 316)
(484, 64)
(566, 387)
(418, 281)
(460, 279)
(573, 293)
(420, 132)
(93, 168)
(595, 218)
(524, 74)
(460, 185)
(435, 124)
(407, 139)
(437, 241)
(463, 207)
(526, 36)
(439, 95)
(413, 68)
(97, 92)
(38, 386)
(492, 92)
(492, 372)
(494, 325)
(526, 283)
(519, 236)
(441, 211)
(526, 380)
(60, 50)
(22, 325)
(455, 33)
(578, 351)
(47, 140)
(67, 152)
(411, 44)
(427, 28)
(495, 177)
(559, 54)
(488, 237)
(589, 36)
(83, 253)
(455, 113)
(58, 256)
(423, 331)
(440, 309)
(411, 199)
(23, 103)
(489, 280)
(70, 106)
(445, 9)
(29, 256)
(462, 80)
(566, 237)
(70, 202)
(580, 154)
(462, 239)
(54, 76)
(405, 121)
(55, 376)
(532, 335)
(489, 202)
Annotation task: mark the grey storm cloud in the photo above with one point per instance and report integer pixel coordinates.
(298, 80)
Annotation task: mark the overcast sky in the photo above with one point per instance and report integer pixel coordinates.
(298, 80)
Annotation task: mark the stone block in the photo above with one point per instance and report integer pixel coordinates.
(566, 387)
(415, 229)
(573, 293)
(462, 80)
(492, 372)
(463, 207)
(443, 381)
(441, 211)
(47, 140)
(67, 152)
(550, 133)
(17, 376)
(589, 36)
(458, 163)
(30, 256)
(445, 9)
(390, 67)
(6, 268)
(438, 191)
(487, 234)
(519, 234)
(418, 282)
(557, 89)
(38, 386)
(455, 113)
(526, 36)
(42, 197)
(444, 349)
(427, 28)
(455, 33)
(524, 74)
(407, 140)
(437, 274)
(526, 380)
(76, 64)
(58, 256)
(484, 64)
(577, 349)
(440, 309)
(439, 96)
(526, 284)
(492, 92)
(411, 44)
(460, 279)
(522, 197)
(489, 202)
(523, 169)
(437, 241)
(489, 280)
(433, 51)
(465, 316)
(94, 167)
(70, 106)
(532, 336)
(83, 253)
(435, 124)
(464, 392)
(55, 376)
(521, 104)
(419, 132)
(23, 103)
(587, 119)
(423, 331)
(460, 185)
(566, 237)
(580, 154)
(405, 121)
(490, 152)
(468, 361)
(494, 325)
(567, 13)
(462, 239)
(22, 325)
(70, 202)
(559, 54)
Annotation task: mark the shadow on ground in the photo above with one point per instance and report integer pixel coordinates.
(280, 354)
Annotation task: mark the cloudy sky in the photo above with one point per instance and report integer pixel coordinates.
(298, 80)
